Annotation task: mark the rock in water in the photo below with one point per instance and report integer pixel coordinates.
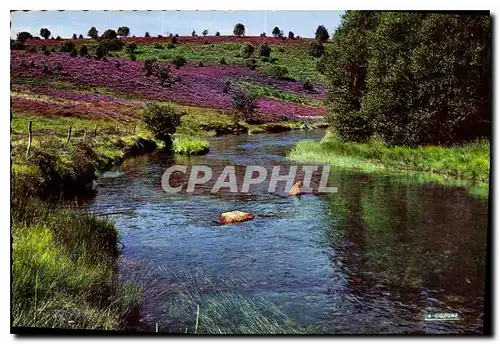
(295, 190)
(234, 216)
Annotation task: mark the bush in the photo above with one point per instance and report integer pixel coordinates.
(130, 48)
(243, 103)
(275, 71)
(109, 34)
(252, 64)
(132, 57)
(161, 120)
(147, 35)
(100, 52)
(73, 53)
(113, 44)
(291, 35)
(58, 68)
(31, 49)
(222, 61)
(316, 49)
(164, 76)
(123, 31)
(264, 59)
(83, 50)
(150, 66)
(308, 86)
(179, 61)
(264, 50)
(170, 46)
(66, 47)
(247, 49)
(200, 64)
(217, 34)
(158, 46)
(174, 40)
(46, 52)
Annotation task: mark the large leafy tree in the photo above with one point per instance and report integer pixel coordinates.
(410, 78)
(93, 33)
(109, 34)
(123, 31)
(23, 36)
(239, 30)
(45, 33)
(276, 31)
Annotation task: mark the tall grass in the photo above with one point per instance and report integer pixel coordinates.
(190, 145)
(467, 161)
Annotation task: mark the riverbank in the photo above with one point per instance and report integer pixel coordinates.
(468, 161)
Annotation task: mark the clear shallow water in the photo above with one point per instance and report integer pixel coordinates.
(372, 258)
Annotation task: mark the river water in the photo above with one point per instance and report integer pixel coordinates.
(378, 256)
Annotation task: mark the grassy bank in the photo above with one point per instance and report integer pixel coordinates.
(190, 145)
(468, 161)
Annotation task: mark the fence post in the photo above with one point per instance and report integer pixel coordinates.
(69, 135)
(30, 138)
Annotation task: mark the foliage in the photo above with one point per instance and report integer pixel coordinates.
(123, 31)
(276, 71)
(130, 48)
(73, 53)
(158, 46)
(239, 30)
(23, 36)
(217, 34)
(179, 61)
(83, 50)
(66, 46)
(307, 85)
(164, 75)
(276, 31)
(316, 48)
(244, 104)
(147, 34)
(109, 34)
(264, 49)
(16, 45)
(190, 145)
(410, 78)
(45, 33)
(291, 35)
(322, 34)
(205, 32)
(247, 49)
(150, 66)
(93, 33)
(161, 120)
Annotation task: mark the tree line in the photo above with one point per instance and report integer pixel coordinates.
(409, 78)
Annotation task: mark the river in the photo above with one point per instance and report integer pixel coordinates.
(375, 257)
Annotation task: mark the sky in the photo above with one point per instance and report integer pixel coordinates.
(65, 23)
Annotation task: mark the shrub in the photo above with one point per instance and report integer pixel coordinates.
(170, 46)
(227, 86)
(73, 53)
(112, 44)
(80, 36)
(164, 76)
(66, 47)
(322, 34)
(264, 50)
(158, 46)
(239, 30)
(31, 49)
(291, 35)
(308, 86)
(193, 33)
(264, 59)
(147, 34)
(46, 52)
(275, 71)
(130, 48)
(149, 66)
(247, 49)
(217, 34)
(161, 120)
(189, 145)
(132, 57)
(74, 36)
(316, 49)
(174, 40)
(243, 104)
(179, 61)
(59, 68)
(45, 69)
(205, 32)
(276, 31)
(23, 36)
(252, 64)
(100, 52)
(200, 64)
(83, 50)
(222, 61)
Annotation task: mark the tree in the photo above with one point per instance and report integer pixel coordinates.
(109, 34)
(322, 34)
(74, 36)
(162, 121)
(45, 33)
(396, 76)
(276, 31)
(93, 33)
(130, 48)
(264, 49)
(239, 30)
(147, 34)
(193, 33)
(123, 31)
(263, 34)
(243, 104)
(23, 37)
(205, 32)
(58, 38)
(83, 50)
(66, 46)
(291, 35)
(80, 36)
(217, 33)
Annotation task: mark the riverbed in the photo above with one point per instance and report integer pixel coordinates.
(381, 255)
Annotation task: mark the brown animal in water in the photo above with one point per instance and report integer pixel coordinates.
(295, 190)
(234, 216)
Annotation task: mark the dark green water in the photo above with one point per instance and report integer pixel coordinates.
(373, 258)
